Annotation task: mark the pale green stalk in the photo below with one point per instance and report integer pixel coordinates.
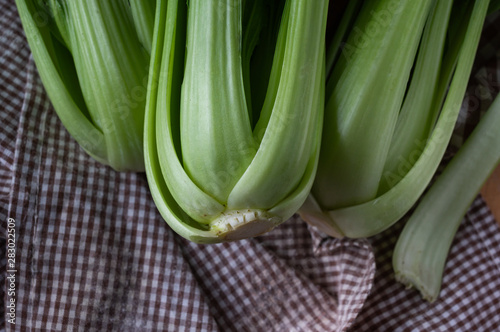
(370, 81)
(167, 71)
(289, 144)
(417, 116)
(214, 155)
(422, 249)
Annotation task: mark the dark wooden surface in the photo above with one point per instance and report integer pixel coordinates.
(491, 193)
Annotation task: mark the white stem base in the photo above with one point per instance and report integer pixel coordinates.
(242, 224)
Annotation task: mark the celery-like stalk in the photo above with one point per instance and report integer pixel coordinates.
(418, 116)
(422, 248)
(94, 69)
(214, 175)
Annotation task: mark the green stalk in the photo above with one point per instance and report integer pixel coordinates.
(417, 116)
(295, 121)
(422, 248)
(362, 110)
(213, 93)
(53, 62)
(377, 215)
(167, 57)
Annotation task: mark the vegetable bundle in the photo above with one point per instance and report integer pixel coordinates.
(390, 110)
(93, 63)
(243, 113)
(218, 160)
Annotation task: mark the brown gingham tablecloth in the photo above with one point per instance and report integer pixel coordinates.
(93, 254)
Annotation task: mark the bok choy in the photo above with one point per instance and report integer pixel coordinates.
(225, 163)
(93, 60)
(392, 101)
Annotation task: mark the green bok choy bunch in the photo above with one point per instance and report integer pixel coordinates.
(93, 60)
(392, 99)
(234, 113)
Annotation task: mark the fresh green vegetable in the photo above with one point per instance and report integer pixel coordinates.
(422, 248)
(383, 95)
(361, 111)
(221, 164)
(93, 63)
(417, 115)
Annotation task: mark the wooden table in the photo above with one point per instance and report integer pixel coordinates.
(491, 193)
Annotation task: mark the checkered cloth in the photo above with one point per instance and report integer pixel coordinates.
(93, 254)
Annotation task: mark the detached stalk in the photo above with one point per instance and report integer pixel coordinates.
(422, 248)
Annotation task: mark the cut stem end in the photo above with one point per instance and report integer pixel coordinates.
(412, 281)
(242, 224)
